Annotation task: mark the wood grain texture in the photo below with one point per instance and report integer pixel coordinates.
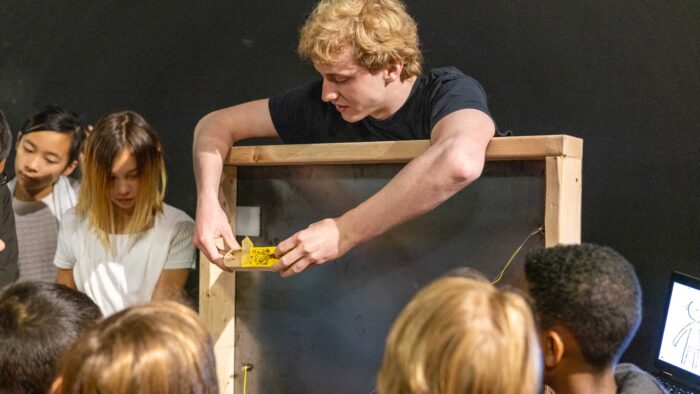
(562, 215)
(217, 289)
(500, 148)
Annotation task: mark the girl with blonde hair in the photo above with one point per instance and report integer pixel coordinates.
(160, 347)
(122, 245)
(462, 335)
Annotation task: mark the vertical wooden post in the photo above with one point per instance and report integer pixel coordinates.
(217, 291)
(562, 213)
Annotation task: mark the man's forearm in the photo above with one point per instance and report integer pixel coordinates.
(209, 150)
(422, 185)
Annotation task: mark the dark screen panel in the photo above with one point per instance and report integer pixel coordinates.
(324, 330)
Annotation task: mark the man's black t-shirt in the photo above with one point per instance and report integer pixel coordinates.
(301, 117)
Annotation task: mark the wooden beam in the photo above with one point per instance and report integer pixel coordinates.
(561, 153)
(217, 290)
(562, 215)
(500, 148)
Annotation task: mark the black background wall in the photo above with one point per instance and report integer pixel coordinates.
(622, 75)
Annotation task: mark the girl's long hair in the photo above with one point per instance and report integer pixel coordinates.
(114, 134)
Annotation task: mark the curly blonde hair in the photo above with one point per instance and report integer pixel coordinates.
(462, 335)
(380, 32)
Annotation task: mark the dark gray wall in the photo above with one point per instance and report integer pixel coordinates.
(623, 75)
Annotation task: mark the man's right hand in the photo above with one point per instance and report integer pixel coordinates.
(213, 137)
(211, 223)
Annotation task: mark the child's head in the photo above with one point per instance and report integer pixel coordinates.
(462, 335)
(48, 146)
(159, 347)
(38, 322)
(589, 305)
(123, 174)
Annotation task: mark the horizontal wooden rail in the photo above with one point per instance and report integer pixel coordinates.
(500, 148)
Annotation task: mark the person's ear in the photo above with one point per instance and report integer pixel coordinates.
(70, 168)
(552, 349)
(393, 72)
(2, 165)
(57, 386)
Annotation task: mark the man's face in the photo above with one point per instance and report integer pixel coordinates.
(353, 89)
(42, 157)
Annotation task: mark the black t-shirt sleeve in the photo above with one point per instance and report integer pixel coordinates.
(455, 91)
(295, 112)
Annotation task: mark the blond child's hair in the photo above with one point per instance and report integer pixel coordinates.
(380, 33)
(113, 134)
(462, 335)
(160, 347)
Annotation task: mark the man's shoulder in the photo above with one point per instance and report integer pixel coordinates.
(449, 76)
(447, 73)
(308, 91)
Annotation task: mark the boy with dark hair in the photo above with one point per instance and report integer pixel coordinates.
(48, 148)
(38, 321)
(8, 235)
(588, 302)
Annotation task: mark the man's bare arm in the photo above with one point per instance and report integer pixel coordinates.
(213, 136)
(454, 160)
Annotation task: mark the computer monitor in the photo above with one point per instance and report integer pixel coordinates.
(678, 355)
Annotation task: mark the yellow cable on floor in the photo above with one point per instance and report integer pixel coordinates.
(245, 368)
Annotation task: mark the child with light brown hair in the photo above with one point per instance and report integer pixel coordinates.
(122, 245)
(160, 347)
(462, 335)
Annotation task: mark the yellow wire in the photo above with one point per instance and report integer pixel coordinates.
(505, 267)
(245, 378)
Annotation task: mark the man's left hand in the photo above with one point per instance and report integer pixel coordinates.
(318, 243)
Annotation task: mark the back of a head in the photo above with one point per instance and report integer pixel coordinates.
(590, 290)
(160, 347)
(462, 335)
(55, 118)
(38, 321)
(5, 137)
(380, 32)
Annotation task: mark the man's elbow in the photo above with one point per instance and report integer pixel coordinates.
(207, 122)
(462, 166)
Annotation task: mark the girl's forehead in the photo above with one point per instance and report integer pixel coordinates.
(124, 162)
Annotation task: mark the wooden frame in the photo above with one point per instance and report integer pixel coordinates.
(561, 153)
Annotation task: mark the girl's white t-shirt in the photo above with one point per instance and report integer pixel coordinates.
(126, 275)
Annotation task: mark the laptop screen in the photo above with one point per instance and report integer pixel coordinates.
(679, 351)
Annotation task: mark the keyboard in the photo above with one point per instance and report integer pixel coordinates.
(675, 388)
